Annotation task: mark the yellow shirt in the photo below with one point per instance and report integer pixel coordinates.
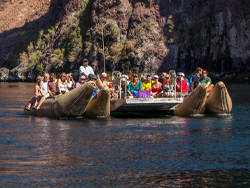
(146, 85)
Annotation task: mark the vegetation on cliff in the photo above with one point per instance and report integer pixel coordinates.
(145, 36)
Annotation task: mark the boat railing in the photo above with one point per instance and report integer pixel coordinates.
(117, 83)
(172, 75)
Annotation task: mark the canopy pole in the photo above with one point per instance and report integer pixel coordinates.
(103, 50)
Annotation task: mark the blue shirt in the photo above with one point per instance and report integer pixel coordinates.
(196, 80)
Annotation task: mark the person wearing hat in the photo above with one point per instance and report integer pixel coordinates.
(156, 86)
(167, 86)
(181, 85)
(134, 86)
(85, 69)
(81, 81)
(123, 86)
(101, 83)
(147, 84)
(93, 78)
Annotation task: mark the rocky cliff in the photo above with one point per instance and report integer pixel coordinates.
(139, 35)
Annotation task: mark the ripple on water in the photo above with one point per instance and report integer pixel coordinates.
(198, 151)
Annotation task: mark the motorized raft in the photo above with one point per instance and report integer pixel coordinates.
(77, 102)
(197, 102)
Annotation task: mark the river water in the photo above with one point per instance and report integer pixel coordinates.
(201, 151)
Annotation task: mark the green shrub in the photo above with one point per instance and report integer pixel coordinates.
(40, 68)
(57, 58)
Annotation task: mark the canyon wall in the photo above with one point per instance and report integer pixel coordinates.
(139, 36)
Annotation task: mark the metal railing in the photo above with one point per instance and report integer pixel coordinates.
(117, 83)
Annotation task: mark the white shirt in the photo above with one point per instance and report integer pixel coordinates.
(45, 87)
(87, 70)
(70, 85)
(63, 86)
(98, 87)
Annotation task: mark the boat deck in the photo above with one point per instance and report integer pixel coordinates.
(143, 104)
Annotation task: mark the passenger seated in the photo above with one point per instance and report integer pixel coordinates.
(156, 86)
(167, 89)
(147, 84)
(62, 84)
(38, 94)
(123, 88)
(195, 79)
(181, 85)
(101, 83)
(81, 81)
(45, 83)
(92, 78)
(52, 89)
(207, 80)
(134, 86)
(70, 81)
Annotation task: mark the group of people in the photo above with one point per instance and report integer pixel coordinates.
(165, 87)
(49, 85)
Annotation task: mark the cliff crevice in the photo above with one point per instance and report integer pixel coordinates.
(139, 36)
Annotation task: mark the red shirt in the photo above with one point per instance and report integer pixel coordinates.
(184, 86)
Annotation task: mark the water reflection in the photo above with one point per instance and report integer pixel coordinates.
(121, 152)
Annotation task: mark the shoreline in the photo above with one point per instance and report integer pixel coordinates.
(231, 78)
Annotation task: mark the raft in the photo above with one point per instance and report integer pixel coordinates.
(219, 100)
(70, 104)
(193, 103)
(99, 106)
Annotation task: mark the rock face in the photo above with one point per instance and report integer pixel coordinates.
(145, 36)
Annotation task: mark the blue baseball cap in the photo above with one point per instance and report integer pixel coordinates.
(85, 60)
(149, 74)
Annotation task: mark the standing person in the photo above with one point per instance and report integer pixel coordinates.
(147, 84)
(70, 82)
(52, 89)
(195, 79)
(38, 94)
(156, 86)
(85, 69)
(207, 80)
(62, 84)
(134, 86)
(81, 81)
